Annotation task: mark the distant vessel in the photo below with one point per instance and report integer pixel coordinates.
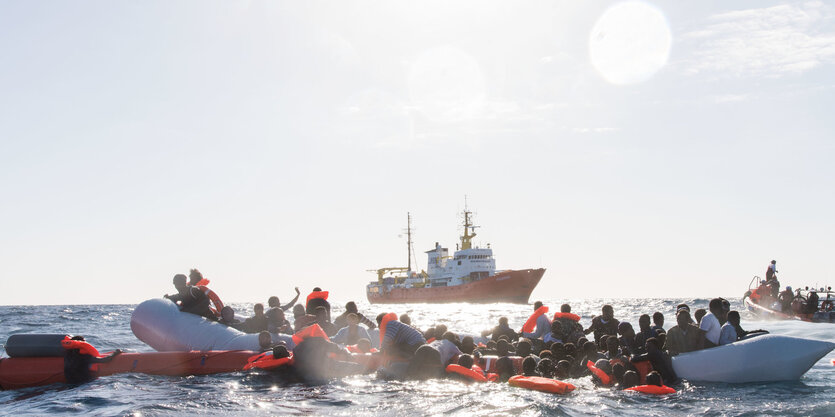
(468, 276)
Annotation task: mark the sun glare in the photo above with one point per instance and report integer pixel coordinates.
(629, 43)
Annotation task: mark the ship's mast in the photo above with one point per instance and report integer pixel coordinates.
(469, 230)
(409, 239)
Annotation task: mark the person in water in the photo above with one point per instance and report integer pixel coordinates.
(645, 330)
(545, 368)
(446, 347)
(351, 308)
(405, 319)
(571, 329)
(301, 319)
(258, 322)
(190, 299)
(660, 361)
(711, 323)
(324, 322)
(605, 324)
(543, 324)
(400, 339)
(275, 302)
(631, 379)
(655, 378)
(316, 359)
(310, 305)
(265, 341)
(78, 366)
(227, 317)
(503, 329)
(685, 336)
(627, 339)
(529, 366)
(195, 279)
(505, 369)
(277, 322)
(352, 333)
(426, 363)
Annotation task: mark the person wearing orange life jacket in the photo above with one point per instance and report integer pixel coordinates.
(543, 324)
(80, 359)
(301, 319)
(196, 279)
(315, 299)
(570, 325)
(317, 359)
(190, 299)
(659, 359)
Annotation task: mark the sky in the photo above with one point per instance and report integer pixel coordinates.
(633, 149)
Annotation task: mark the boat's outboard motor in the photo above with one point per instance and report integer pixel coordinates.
(35, 345)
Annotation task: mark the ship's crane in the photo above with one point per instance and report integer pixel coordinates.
(382, 271)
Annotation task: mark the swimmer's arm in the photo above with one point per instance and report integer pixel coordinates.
(287, 306)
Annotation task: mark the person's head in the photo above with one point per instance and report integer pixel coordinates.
(529, 366)
(452, 337)
(316, 289)
(321, 314)
(612, 346)
(504, 367)
(280, 351)
(562, 369)
(545, 368)
(617, 371)
(570, 349)
(556, 327)
(589, 348)
(733, 317)
(467, 344)
(258, 309)
(194, 276)
(298, 311)
(180, 283)
(523, 347)
(643, 322)
(440, 329)
(425, 364)
(502, 347)
(503, 321)
(608, 312)
(625, 329)
(662, 339)
(581, 341)
(405, 319)
(773, 262)
(630, 379)
(683, 318)
(380, 318)
(604, 366)
(273, 302)
(351, 307)
(545, 353)
(654, 378)
(465, 361)
(652, 344)
(491, 344)
(557, 349)
(265, 340)
(699, 314)
(429, 333)
(227, 314)
(715, 306)
(658, 319)
(352, 319)
(682, 307)
(536, 305)
(364, 345)
(565, 308)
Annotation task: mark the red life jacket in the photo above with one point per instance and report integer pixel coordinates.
(267, 361)
(356, 349)
(316, 294)
(212, 296)
(475, 375)
(539, 383)
(604, 377)
(531, 323)
(310, 331)
(570, 316)
(83, 347)
(383, 323)
(652, 389)
(202, 283)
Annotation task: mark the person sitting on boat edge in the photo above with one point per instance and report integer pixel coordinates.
(685, 336)
(258, 322)
(727, 333)
(275, 302)
(398, 339)
(321, 314)
(543, 324)
(502, 329)
(352, 333)
(190, 299)
(277, 321)
(351, 307)
(605, 324)
(195, 279)
(711, 323)
(733, 319)
(227, 317)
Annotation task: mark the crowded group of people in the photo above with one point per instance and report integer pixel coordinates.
(556, 346)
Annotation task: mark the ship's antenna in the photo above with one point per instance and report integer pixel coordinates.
(409, 239)
(468, 237)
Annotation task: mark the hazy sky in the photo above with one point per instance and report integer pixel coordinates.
(632, 149)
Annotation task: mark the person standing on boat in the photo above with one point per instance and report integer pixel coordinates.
(771, 278)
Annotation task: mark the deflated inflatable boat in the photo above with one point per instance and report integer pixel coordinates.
(160, 324)
(759, 359)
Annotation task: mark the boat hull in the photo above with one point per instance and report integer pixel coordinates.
(770, 314)
(504, 287)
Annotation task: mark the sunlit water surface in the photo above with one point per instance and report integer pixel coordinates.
(108, 327)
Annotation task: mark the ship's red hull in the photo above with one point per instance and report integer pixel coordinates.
(504, 287)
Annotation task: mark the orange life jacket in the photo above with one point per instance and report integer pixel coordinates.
(570, 316)
(539, 383)
(383, 323)
(83, 347)
(531, 323)
(431, 339)
(475, 375)
(355, 349)
(652, 389)
(202, 283)
(604, 377)
(267, 361)
(644, 368)
(317, 294)
(212, 296)
(310, 331)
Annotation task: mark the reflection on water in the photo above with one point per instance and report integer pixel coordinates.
(267, 394)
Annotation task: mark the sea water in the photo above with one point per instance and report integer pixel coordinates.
(242, 393)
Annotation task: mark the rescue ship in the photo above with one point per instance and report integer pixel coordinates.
(469, 275)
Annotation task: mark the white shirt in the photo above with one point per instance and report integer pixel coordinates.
(710, 324)
(728, 334)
